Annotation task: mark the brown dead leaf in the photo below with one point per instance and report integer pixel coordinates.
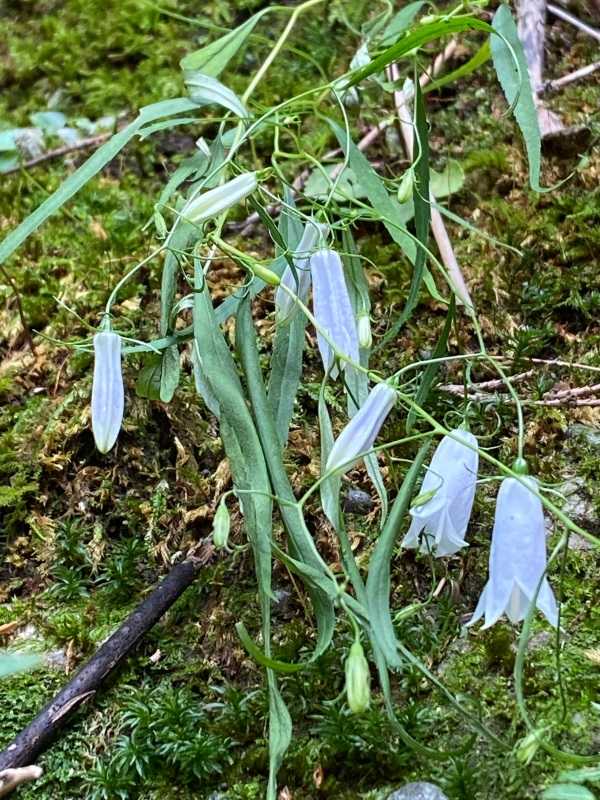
(8, 628)
(202, 512)
(222, 477)
(97, 230)
(318, 776)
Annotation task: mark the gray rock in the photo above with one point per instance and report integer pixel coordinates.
(418, 791)
(56, 659)
(356, 501)
(280, 603)
(579, 507)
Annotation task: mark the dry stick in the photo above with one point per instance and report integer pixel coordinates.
(11, 778)
(42, 730)
(367, 140)
(84, 144)
(564, 15)
(570, 77)
(438, 228)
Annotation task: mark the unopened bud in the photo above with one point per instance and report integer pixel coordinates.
(221, 526)
(219, 199)
(107, 390)
(358, 679)
(405, 189)
(365, 339)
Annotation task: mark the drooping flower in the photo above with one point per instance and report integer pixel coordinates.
(439, 523)
(333, 309)
(284, 304)
(517, 557)
(107, 390)
(214, 201)
(358, 679)
(360, 433)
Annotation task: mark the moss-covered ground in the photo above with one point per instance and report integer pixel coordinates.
(83, 536)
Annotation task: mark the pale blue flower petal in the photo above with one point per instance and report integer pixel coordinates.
(360, 433)
(332, 308)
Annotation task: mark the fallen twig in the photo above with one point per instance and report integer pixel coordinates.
(437, 223)
(83, 144)
(570, 77)
(577, 23)
(11, 778)
(40, 732)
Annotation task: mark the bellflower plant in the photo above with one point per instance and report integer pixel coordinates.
(450, 484)
(360, 433)
(517, 557)
(332, 308)
(107, 390)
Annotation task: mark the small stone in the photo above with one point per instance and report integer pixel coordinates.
(418, 791)
(280, 604)
(356, 501)
(56, 659)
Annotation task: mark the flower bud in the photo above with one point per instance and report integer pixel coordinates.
(107, 390)
(333, 310)
(365, 339)
(265, 274)
(358, 679)
(405, 188)
(221, 526)
(360, 433)
(219, 199)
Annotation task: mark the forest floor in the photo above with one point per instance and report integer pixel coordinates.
(85, 536)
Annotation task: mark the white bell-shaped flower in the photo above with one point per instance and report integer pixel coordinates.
(332, 309)
(360, 433)
(517, 557)
(285, 307)
(439, 523)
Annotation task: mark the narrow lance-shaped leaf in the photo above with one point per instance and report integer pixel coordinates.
(378, 580)
(214, 57)
(517, 87)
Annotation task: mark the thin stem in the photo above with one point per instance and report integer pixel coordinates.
(276, 49)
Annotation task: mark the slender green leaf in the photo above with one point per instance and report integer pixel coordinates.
(214, 57)
(400, 23)
(301, 542)
(431, 370)
(480, 57)
(286, 372)
(378, 580)
(583, 775)
(147, 384)
(280, 733)
(424, 33)
(392, 213)
(514, 79)
(260, 657)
